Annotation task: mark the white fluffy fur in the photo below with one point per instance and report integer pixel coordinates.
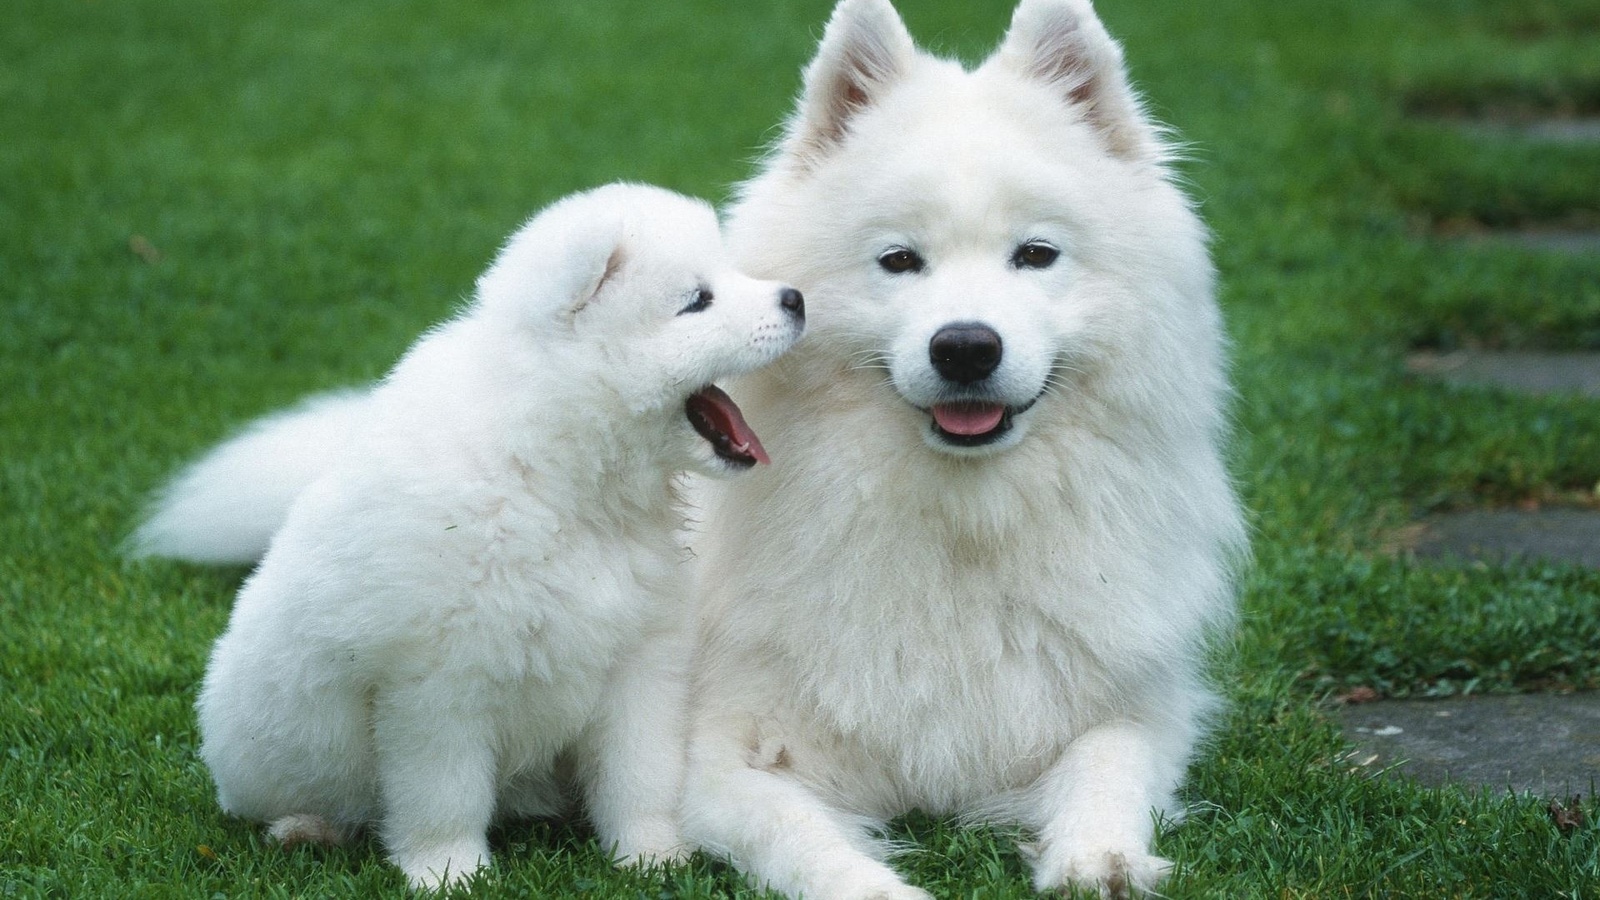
(1011, 632)
(226, 508)
(481, 578)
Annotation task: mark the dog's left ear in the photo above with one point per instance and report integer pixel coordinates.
(1062, 43)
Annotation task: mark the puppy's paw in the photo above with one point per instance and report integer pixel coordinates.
(304, 828)
(435, 868)
(1112, 873)
(897, 892)
(651, 842)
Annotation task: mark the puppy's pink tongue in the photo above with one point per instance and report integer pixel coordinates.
(968, 418)
(719, 420)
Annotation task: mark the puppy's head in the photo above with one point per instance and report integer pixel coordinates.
(642, 301)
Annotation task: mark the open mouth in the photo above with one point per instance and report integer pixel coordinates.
(970, 423)
(718, 419)
(973, 423)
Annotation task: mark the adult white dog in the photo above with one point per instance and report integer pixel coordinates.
(483, 575)
(981, 579)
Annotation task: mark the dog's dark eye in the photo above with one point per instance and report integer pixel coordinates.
(1034, 255)
(900, 261)
(700, 302)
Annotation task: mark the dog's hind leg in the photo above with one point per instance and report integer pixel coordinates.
(741, 804)
(304, 828)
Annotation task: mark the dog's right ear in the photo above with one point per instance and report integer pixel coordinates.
(864, 51)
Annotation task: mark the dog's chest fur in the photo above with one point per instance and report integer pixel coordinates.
(954, 664)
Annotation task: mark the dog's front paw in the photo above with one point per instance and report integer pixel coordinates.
(651, 841)
(887, 891)
(435, 868)
(871, 882)
(1113, 873)
(898, 892)
(903, 892)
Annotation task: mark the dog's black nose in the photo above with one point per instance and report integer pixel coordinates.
(965, 352)
(792, 300)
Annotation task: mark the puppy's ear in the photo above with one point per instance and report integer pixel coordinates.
(865, 50)
(554, 266)
(585, 291)
(1063, 44)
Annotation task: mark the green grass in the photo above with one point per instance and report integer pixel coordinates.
(207, 210)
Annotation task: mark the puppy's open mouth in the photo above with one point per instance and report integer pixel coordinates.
(718, 419)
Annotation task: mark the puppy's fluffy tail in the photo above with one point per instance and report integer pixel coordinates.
(226, 506)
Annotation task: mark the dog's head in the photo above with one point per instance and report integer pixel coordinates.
(983, 242)
(641, 299)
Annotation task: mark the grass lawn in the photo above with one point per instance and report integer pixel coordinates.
(209, 209)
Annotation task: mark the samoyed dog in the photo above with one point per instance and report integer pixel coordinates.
(981, 580)
(483, 577)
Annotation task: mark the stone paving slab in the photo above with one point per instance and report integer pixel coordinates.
(1566, 131)
(1571, 240)
(1496, 535)
(1543, 744)
(1534, 373)
(1577, 130)
(1567, 241)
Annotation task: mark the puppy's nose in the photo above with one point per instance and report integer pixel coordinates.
(965, 352)
(792, 301)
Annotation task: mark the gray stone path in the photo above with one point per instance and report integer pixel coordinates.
(1544, 744)
(1576, 130)
(1568, 535)
(1583, 129)
(1496, 535)
(1534, 373)
(1573, 241)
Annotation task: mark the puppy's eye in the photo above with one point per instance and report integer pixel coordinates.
(700, 301)
(1034, 255)
(899, 261)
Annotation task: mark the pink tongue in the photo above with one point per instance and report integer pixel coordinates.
(968, 418)
(725, 416)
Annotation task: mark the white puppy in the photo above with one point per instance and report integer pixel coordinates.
(981, 579)
(483, 575)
